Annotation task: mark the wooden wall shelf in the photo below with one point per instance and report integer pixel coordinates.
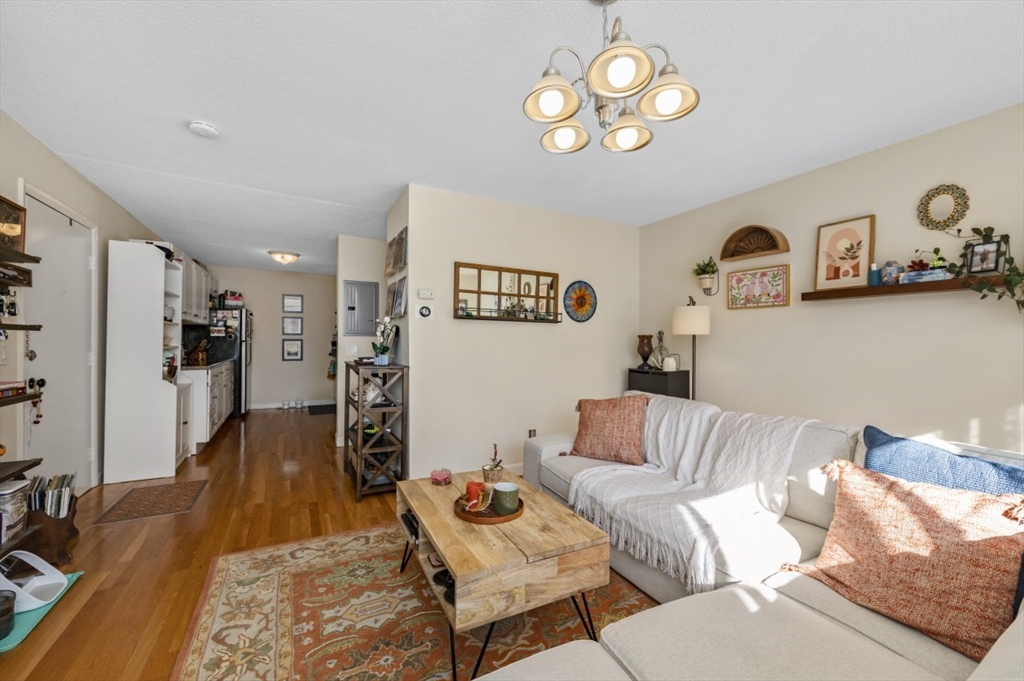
(963, 284)
(7, 401)
(21, 327)
(11, 255)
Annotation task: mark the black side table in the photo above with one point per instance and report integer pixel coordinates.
(671, 383)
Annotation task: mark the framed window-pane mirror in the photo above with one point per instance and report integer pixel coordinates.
(505, 294)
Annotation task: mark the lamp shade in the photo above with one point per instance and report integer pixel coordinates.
(670, 97)
(621, 70)
(552, 99)
(627, 134)
(691, 320)
(565, 137)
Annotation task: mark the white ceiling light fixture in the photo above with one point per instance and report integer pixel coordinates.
(284, 257)
(622, 69)
(203, 129)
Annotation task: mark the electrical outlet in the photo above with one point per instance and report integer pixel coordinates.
(351, 350)
(425, 293)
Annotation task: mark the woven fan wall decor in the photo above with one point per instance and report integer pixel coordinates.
(753, 241)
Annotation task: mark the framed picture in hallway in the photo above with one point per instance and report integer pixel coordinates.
(291, 326)
(291, 350)
(291, 302)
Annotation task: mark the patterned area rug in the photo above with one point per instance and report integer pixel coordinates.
(337, 608)
(146, 502)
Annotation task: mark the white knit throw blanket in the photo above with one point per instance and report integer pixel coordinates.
(675, 432)
(741, 474)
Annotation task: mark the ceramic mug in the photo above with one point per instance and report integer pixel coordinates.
(506, 498)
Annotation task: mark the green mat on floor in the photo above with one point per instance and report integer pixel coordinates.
(25, 622)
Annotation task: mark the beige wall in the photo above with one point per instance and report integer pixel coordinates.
(359, 259)
(476, 382)
(23, 157)
(274, 380)
(943, 363)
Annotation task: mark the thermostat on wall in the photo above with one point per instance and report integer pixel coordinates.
(426, 310)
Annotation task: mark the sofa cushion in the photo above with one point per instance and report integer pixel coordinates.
(812, 496)
(944, 561)
(568, 662)
(754, 548)
(747, 631)
(900, 638)
(557, 472)
(922, 462)
(1006, 659)
(612, 429)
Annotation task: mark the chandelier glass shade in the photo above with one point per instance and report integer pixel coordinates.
(621, 70)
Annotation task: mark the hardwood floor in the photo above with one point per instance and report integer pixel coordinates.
(274, 477)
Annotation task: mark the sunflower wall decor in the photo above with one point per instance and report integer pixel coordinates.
(579, 301)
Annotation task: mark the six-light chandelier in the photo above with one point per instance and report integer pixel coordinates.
(622, 69)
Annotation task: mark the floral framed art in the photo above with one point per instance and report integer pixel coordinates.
(844, 253)
(761, 287)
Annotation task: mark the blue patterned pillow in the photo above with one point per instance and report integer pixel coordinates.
(920, 462)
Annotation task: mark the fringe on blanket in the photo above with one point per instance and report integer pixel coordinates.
(658, 554)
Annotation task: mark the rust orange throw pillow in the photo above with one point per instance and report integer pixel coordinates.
(943, 561)
(612, 430)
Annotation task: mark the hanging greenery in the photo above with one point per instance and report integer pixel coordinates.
(1012, 286)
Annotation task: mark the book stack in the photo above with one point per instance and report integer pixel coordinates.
(52, 497)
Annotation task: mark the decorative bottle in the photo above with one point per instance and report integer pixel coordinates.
(661, 352)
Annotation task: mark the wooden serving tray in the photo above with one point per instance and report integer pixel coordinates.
(487, 516)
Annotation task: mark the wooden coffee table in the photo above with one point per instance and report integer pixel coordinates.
(547, 554)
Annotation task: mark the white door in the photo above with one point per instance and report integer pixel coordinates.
(60, 299)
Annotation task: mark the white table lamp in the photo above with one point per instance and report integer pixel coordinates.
(692, 320)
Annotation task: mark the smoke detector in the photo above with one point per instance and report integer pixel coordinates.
(203, 129)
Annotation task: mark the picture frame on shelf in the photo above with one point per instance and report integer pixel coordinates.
(291, 350)
(291, 326)
(397, 253)
(758, 287)
(291, 302)
(400, 298)
(844, 253)
(985, 257)
(12, 225)
(389, 303)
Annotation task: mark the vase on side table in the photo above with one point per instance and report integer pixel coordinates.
(644, 348)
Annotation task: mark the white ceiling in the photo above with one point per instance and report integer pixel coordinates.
(327, 110)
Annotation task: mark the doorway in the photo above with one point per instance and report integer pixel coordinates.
(63, 299)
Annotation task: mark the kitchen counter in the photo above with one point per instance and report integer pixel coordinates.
(206, 367)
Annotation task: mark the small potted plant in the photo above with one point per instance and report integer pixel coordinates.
(385, 332)
(706, 271)
(492, 469)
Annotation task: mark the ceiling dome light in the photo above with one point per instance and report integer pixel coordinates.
(622, 70)
(203, 129)
(552, 99)
(627, 134)
(565, 137)
(671, 97)
(284, 257)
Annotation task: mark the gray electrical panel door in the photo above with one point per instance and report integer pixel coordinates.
(360, 308)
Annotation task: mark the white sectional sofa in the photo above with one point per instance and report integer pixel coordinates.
(747, 551)
(761, 624)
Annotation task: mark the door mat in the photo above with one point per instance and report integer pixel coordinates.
(337, 607)
(321, 409)
(146, 502)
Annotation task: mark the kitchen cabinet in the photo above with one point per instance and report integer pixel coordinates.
(213, 399)
(144, 306)
(197, 284)
(183, 434)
